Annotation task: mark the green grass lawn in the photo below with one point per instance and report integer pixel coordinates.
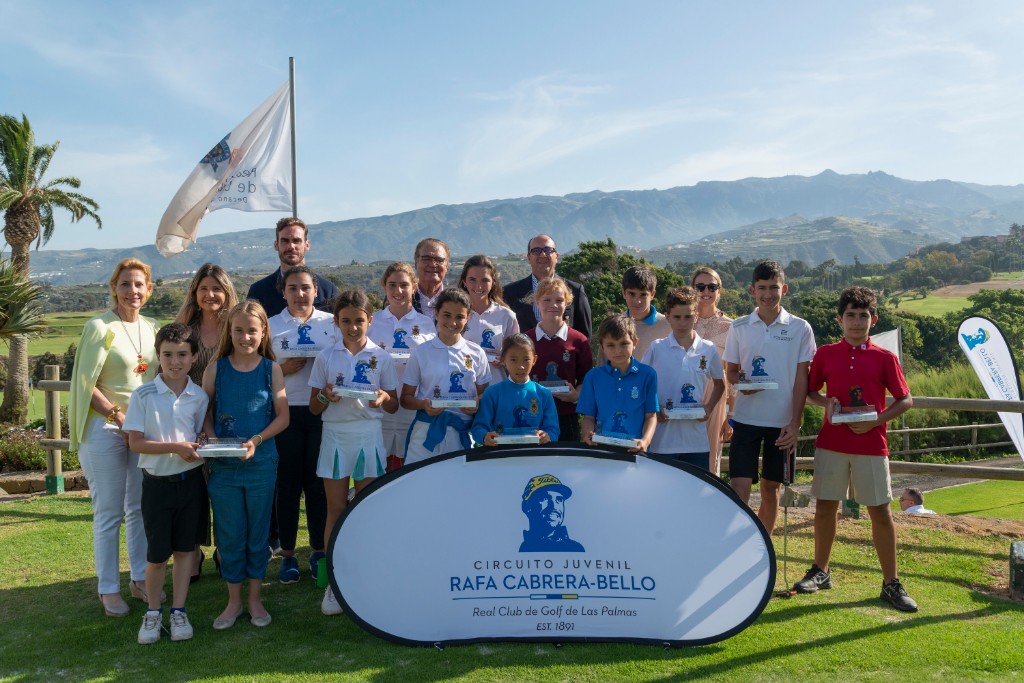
(65, 329)
(52, 626)
(935, 306)
(1000, 499)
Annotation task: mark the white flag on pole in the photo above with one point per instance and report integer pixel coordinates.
(249, 170)
(986, 349)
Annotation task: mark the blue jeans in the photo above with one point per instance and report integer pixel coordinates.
(242, 494)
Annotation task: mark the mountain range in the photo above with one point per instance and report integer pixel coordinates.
(874, 216)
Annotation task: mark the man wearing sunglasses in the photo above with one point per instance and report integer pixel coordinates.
(431, 262)
(543, 256)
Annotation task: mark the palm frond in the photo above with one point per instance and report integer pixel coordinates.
(20, 304)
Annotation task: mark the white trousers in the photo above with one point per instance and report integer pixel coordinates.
(115, 486)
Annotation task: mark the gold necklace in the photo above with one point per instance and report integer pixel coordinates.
(142, 366)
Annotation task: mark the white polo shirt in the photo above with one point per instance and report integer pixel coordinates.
(161, 415)
(400, 335)
(784, 344)
(368, 370)
(448, 372)
(488, 330)
(682, 374)
(286, 339)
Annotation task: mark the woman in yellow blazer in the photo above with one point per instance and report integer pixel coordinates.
(115, 356)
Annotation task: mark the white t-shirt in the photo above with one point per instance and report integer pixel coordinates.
(290, 336)
(161, 415)
(682, 375)
(400, 335)
(368, 370)
(768, 353)
(488, 330)
(448, 372)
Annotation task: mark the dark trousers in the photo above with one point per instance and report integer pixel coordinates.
(298, 449)
(569, 427)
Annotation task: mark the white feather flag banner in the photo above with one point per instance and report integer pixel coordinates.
(249, 170)
(986, 349)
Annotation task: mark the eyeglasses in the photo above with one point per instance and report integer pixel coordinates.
(547, 251)
(436, 260)
(712, 287)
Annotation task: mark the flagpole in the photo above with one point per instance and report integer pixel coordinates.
(291, 103)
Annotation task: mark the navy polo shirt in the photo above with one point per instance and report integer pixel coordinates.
(617, 401)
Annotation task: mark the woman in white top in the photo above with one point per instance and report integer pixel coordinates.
(399, 329)
(714, 326)
(490, 320)
(298, 334)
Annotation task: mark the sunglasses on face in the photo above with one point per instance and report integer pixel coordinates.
(713, 287)
(547, 251)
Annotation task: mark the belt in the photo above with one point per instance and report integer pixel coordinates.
(180, 476)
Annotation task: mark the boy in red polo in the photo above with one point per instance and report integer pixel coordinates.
(857, 373)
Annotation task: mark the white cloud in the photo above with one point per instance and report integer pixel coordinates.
(543, 120)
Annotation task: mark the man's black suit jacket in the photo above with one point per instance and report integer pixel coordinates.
(518, 297)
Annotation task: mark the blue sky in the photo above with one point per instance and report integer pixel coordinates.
(403, 105)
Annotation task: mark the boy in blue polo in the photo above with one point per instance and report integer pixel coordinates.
(162, 423)
(619, 398)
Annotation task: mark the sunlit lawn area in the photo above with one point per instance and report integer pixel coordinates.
(936, 306)
(52, 626)
(1001, 499)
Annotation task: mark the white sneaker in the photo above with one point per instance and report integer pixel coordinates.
(330, 605)
(149, 632)
(181, 629)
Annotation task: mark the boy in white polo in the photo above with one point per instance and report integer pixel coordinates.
(163, 421)
(856, 375)
(773, 346)
(685, 363)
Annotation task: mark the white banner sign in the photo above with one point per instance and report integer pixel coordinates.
(551, 543)
(250, 170)
(986, 348)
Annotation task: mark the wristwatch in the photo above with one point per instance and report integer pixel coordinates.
(112, 415)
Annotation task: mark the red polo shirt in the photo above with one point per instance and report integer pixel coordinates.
(840, 368)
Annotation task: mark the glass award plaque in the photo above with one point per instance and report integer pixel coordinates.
(222, 448)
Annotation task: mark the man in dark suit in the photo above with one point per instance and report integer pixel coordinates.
(291, 243)
(543, 257)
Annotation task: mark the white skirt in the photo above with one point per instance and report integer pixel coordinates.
(396, 429)
(352, 449)
(417, 451)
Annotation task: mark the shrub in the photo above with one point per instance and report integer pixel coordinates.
(20, 448)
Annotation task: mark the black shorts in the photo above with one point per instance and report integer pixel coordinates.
(745, 447)
(569, 427)
(175, 513)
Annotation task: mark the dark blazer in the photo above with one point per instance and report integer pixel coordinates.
(517, 296)
(267, 292)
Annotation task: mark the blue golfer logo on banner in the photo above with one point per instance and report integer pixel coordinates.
(544, 505)
(977, 339)
(758, 365)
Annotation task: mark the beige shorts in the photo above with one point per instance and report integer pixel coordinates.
(866, 476)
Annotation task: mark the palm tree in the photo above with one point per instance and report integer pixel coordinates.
(28, 203)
